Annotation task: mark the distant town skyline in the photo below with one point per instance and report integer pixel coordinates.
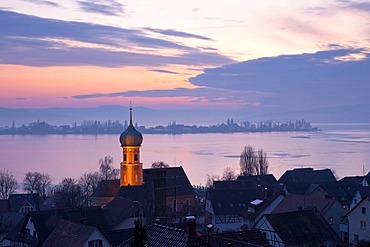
(265, 56)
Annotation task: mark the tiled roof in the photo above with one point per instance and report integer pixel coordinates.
(307, 175)
(4, 206)
(107, 188)
(16, 201)
(300, 188)
(119, 209)
(292, 202)
(344, 191)
(159, 235)
(250, 238)
(9, 220)
(264, 180)
(301, 227)
(232, 201)
(118, 237)
(69, 234)
(46, 221)
(364, 191)
(175, 176)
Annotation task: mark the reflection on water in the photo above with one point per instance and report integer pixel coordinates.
(339, 147)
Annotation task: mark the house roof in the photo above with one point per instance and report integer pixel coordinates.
(107, 188)
(4, 206)
(119, 209)
(70, 234)
(356, 179)
(160, 235)
(175, 177)
(142, 194)
(16, 201)
(300, 188)
(9, 221)
(344, 191)
(293, 202)
(258, 209)
(358, 204)
(301, 227)
(264, 180)
(364, 191)
(16, 234)
(232, 201)
(307, 175)
(118, 237)
(250, 238)
(46, 221)
(235, 184)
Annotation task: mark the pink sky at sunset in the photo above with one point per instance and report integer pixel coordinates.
(53, 52)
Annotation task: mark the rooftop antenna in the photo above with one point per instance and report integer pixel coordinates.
(363, 170)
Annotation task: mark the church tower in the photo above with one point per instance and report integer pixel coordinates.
(130, 168)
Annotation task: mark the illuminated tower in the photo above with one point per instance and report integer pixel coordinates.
(131, 168)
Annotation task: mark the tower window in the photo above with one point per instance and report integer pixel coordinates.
(135, 157)
(124, 157)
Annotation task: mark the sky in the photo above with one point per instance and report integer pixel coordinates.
(272, 55)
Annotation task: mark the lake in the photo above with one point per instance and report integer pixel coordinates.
(344, 148)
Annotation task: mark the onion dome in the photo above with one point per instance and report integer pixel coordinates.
(131, 137)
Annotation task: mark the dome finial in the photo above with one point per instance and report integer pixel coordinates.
(130, 113)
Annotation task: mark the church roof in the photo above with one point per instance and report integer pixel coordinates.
(131, 137)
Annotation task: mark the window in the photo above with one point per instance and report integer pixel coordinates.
(363, 210)
(363, 224)
(356, 237)
(96, 243)
(135, 157)
(124, 157)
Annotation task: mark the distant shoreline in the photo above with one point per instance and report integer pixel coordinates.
(115, 127)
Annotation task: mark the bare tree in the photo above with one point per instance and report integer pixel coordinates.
(8, 184)
(88, 183)
(210, 179)
(107, 170)
(252, 163)
(68, 193)
(160, 164)
(36, 182)
(30, 181)
(262, 163)
(247, 161)
(228, 174)
(44, 184)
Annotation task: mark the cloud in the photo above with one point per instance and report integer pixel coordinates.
(175, 33)
(362, 6)
(105, 7)
(34, 41)
(301, 81)
(164, 71)
(208, 95)
(43, 2)
(23, 98)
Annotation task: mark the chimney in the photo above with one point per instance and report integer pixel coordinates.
(190, 225)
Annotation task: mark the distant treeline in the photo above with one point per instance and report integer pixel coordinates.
(115, 127)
